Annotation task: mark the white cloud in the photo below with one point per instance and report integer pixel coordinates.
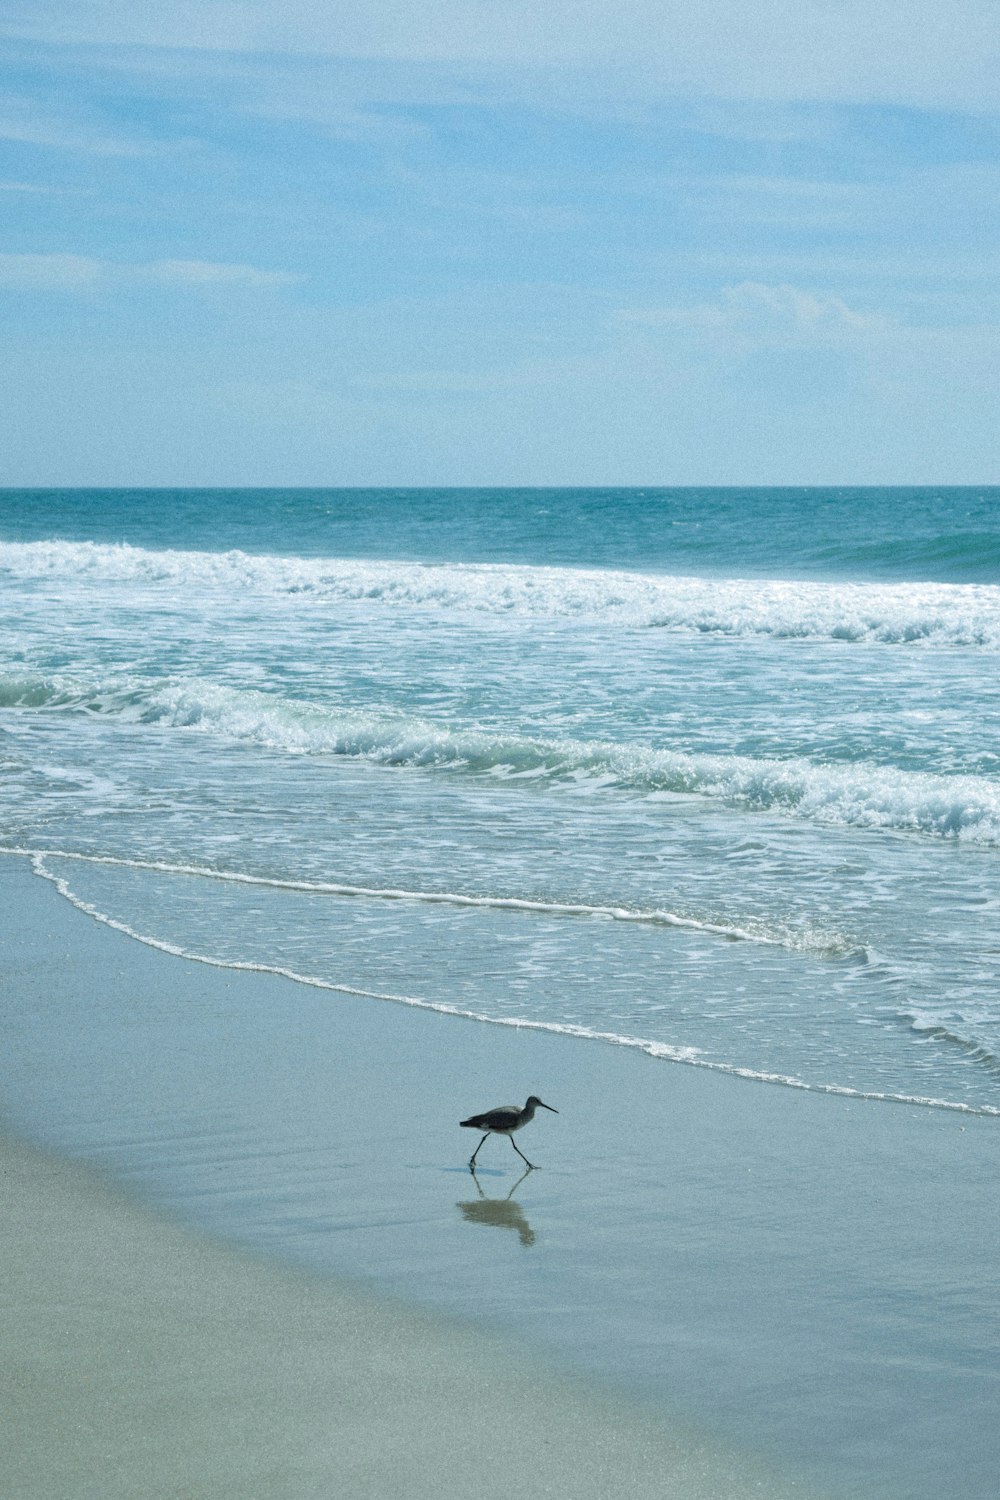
(916, 51)
(30, 122)
(46, 273)
(208, 273)
(36, 187)
(763, 314)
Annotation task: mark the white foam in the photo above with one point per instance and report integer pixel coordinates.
(663, 1051)
(938, 614)
(862, 794)
(816, 941)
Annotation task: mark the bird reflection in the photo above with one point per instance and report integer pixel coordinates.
(503, 1212)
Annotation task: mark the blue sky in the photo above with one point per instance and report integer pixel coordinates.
(598, 242)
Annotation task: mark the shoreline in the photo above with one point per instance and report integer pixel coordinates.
(661, 1051)
(798, 1279)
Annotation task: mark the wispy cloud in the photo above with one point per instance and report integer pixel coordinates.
(919, 51)
(30, 121)
(46, 273)
(761, 314)
(208, 273)
(897, 265)
(43, 189)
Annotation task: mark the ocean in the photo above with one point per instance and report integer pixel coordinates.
(713, 774)
(679, 808)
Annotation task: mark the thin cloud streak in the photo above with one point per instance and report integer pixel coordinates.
(863, 50)
(28, 121)
(46, 273)
(66, 272)
(204, 273)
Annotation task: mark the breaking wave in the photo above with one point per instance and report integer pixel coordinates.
(936, 614)
(859, 795)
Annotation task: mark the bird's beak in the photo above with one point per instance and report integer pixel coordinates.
(548, 1106)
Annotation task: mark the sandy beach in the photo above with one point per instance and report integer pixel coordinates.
(499, 597)
(142, 1360)
(746, 1289)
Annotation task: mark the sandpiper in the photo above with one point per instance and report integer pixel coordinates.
(504, 1121)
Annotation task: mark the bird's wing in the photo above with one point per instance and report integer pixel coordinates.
(494, 1119)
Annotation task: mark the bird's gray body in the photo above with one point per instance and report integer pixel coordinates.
(504, 1120)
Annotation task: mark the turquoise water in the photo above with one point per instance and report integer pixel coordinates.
(713, 773)
(942, 534)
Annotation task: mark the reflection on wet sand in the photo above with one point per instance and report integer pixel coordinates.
(503, 1212)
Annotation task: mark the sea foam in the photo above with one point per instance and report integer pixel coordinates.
(936, 614)
(861, 794)
(660, 1050)
(825, 942)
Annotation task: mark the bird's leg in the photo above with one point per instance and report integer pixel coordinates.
(520, 1153)
(472, 1158)
(513, 1189)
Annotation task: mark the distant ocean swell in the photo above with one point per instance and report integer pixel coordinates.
(657, 1049)
(935, 614)
(948, 553)
(859, 795)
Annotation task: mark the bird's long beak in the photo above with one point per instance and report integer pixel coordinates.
(548, 1106)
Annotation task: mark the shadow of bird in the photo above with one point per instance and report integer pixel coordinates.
(503, 1213)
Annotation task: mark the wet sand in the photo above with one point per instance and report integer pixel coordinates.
(142, 1360)
(711, 1288)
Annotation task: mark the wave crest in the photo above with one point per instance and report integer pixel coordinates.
(859, 795)
(937, 614)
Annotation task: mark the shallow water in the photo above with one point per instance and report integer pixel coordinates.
(714, 773)
(806, 1281)
(707, 778)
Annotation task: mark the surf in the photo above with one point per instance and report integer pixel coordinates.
(942, 615)
(658, 1050)
(882, 798)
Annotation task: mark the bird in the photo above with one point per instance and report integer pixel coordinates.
(504, 1121)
